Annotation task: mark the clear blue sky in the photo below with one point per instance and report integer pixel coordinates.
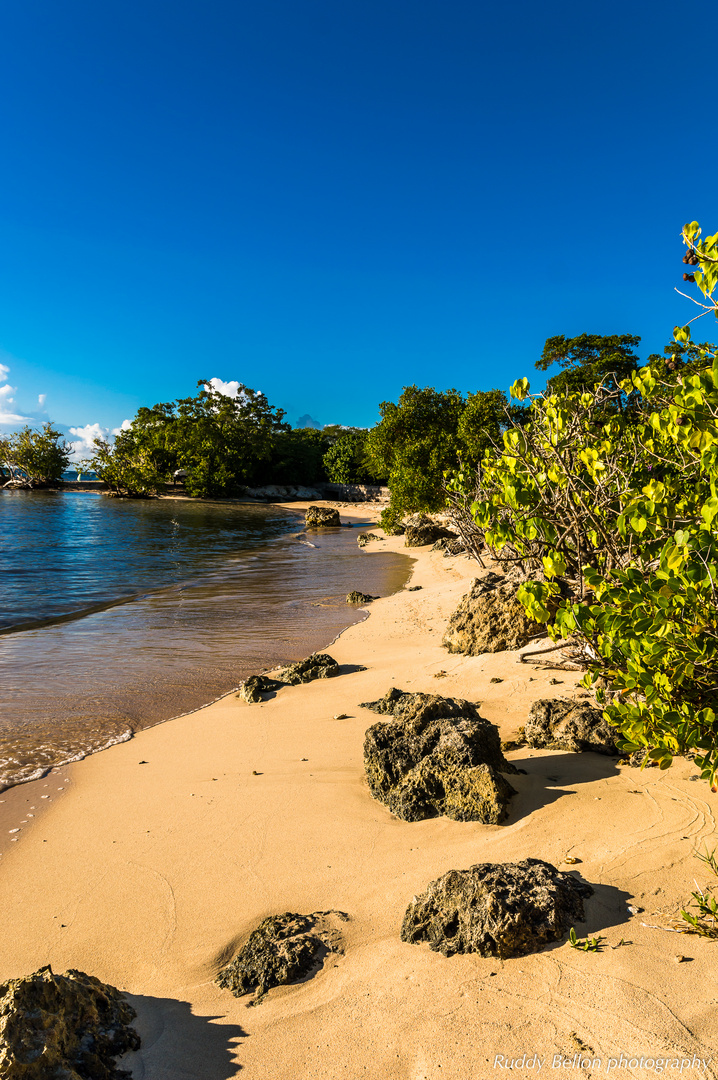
(329, 200)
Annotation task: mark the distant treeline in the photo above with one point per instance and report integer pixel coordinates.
(220, 445)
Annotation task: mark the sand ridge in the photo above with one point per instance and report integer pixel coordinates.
(149, 876)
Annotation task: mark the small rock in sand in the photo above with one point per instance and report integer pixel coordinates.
(281, 950)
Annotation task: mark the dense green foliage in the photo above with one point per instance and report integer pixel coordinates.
(347, 462)
(618, 509)
(425, 433)
(221, 443)
(296, 458)
(43, 455)
(588, 360)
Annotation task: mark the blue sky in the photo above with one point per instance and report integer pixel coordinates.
(330, 200)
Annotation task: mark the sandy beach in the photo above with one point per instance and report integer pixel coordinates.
(158, 856)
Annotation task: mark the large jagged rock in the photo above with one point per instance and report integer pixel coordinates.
(281, 950)
(255, 687)
(364, 538)
(436, 756)
(360, 598)
(63, 1027)
(557, 724)
(320, 517)
(316, 666)
(489, 619)
(496, 909)
(421, 535)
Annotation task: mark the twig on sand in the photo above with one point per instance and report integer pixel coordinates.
(668, 929)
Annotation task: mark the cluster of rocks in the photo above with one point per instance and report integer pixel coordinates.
(430, 756)
(282, 949)
(316, 666)
(490, 618)
(282, 493)
(68, 1026)
(436, 756)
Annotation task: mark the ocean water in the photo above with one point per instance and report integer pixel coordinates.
(118, 614)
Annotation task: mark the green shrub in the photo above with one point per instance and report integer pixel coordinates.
(612, 494)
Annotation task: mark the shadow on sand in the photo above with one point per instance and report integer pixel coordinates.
(552, 775)
(177, 1045)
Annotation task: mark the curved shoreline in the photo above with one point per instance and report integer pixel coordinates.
(167, 850)
(111, 708)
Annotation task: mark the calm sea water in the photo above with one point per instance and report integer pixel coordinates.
(116, 614)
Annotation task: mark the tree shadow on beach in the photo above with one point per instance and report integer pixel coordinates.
(178, 1045)
(546, 777)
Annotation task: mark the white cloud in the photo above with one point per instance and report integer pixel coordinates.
(124, 426)
(41, 399)
(229, 389)
(6, 399)
(83, 444)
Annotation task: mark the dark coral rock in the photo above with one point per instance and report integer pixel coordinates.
(421, 535)
(360, 598)
(496, 909)
(436, 756)
(283, 949)
(69, 1027)
(489, 619)
(255, 687)
(450, 545)
(320, 517)
(386, 704)
(316, 666)
(364, 538)
(558, 724)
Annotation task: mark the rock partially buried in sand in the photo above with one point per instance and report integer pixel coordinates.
(69, 1027)
(364, 538)
(255, 687)
(556, 724)
(316, 666)
(360, 598)
(320, 517)
(436, 756)
(488, 619)
(282, 950)
(496, 909)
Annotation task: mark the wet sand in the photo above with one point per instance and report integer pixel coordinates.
(164, 852)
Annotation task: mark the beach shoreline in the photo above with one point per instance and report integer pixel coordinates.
(164, 852)
(231, 591)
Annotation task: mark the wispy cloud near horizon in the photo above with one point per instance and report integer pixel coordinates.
(7, 399)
